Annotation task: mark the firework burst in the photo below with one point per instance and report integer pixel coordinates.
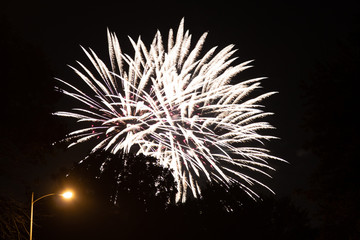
(171, 104)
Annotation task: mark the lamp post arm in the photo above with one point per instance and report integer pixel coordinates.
(32, 207)
(47, 195)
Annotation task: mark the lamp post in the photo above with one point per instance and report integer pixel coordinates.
(66, 195)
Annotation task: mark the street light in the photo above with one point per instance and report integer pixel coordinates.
(66, 195)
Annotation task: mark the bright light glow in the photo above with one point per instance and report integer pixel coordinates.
(168, 103)
(67, 195)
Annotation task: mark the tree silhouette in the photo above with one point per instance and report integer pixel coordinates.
(132, 205)
(126, 203)
(127, 180)
(14, 220)
(230, 214)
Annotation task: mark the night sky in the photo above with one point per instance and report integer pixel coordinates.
(288, 42)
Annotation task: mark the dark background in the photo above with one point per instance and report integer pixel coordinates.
(309, 50)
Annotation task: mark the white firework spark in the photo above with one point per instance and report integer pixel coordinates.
(177, 107)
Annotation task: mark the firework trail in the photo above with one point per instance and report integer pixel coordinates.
(168, 103)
